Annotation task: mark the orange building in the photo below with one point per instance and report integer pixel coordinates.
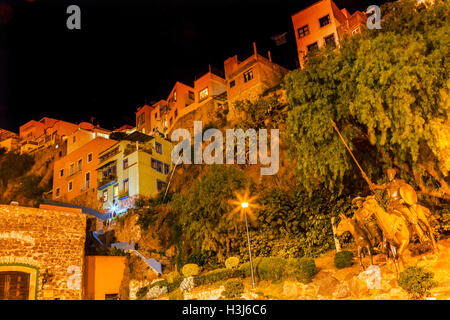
(76, 173)
(85, 133)
(247, 79)
(323, 24)
(151, 118)
(103, 276)
(46, 131)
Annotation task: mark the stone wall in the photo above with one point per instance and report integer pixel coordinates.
(41, 240)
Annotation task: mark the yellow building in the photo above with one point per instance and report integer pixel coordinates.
(136, 167)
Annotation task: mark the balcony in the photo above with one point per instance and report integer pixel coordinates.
(107, 181)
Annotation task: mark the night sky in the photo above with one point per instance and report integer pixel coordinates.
(127, 52)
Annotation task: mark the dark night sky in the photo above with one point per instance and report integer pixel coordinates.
(127, 52)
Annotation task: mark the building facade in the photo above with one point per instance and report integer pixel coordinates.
(323, 24)
(136, 167)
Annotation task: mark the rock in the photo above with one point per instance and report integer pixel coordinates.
(187, 285)
(156, 292)
(372, 276)
(342, 291)
(345, 274)
(327, 286)
(358, 288)
(290, 289)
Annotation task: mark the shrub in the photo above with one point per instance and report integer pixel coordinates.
(343, 259)
(190, 270)
(174, 276)
(142, 292)
(217, 275)
(416, 281)
(271, 268)
(245, 267)
(232, 262)
(176, 295)
(174, 285)
(233, 289)
(303, 269)
(159, 283)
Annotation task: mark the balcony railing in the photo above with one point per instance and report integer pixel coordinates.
(107, 180)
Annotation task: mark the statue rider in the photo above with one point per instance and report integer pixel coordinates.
(367, 222)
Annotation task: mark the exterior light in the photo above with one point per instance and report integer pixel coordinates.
(244, 204)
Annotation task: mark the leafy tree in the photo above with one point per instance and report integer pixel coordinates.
(388, 92)
(14, 165)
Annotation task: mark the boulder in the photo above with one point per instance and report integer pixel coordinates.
(342, 291)
(327, 286)
(290, 289)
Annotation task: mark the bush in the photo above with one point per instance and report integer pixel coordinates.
(343, 259)
(174, 285)
(232, 262)
(176, 295)
(233, 289)
(174, 276)
(159, 283)
(190, 270)
(245, 267)
(217, 275)
(303, 269)
(271, 268)
(416, 281)
(142, 292)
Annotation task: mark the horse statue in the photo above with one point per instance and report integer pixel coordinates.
(361, 239)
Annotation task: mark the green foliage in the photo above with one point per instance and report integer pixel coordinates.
(174, 276)
(204, 211)
(232, 262)
(142, 292)
(303, 269)
(343, 259)
(176, 295)
(260, 113)
(233, 289)
(416, 281)
(216, 276)
(385, 90)
(14, 165)
(175, 284)
(205, 258)
(190, 270)
(271, 268)
(245, 268)
(160, 283)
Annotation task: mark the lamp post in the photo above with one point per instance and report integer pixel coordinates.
(244, 208)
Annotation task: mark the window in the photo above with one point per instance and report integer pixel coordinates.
(72, 168)
(88, 179)
(166, 168)
(105, 195)
(324, 21)
(57, 192)
(74, 139)
(248, 75)
(232, 83)
(125, 163)
(159, 167)
(158, 147)
(89, 158)
(191, 95)
(70, 187)
(80, 162)
(160, 185)
(125, 185)
(61, 173)
(175, 96)
(303, 31)
(313, 47)
(116, 191)
(204, 94)
(154, 163)
(176, 113)
(156, 115)
(330, 41)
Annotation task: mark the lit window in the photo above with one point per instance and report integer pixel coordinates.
(324, 21)
(175, 96)
(159, 167)
(61, 173)
(330, 41)
(125, 163)
(158, 147)
(313, 47)
(160, 185)
(80, 162)
(248, 75)
(116, 191)
(70, 186)
(57, 193)
(303, 31)
(89, 158)
(105, 195)
(232, 83)
(125, 185)
(204, 94)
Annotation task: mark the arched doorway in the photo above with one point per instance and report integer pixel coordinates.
(18, 282)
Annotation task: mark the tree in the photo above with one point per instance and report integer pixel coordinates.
(388, 91)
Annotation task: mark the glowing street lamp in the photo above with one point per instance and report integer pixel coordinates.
(244, 205)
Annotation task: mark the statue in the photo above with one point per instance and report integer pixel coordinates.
(361, 239)
(403, 199)
(367, 223)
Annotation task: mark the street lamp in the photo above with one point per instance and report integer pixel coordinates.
(244, 206)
